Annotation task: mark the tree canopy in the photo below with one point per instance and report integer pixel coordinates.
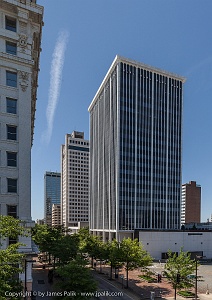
(76, 280)
(177, 269)
(132, 255)
(10, 259)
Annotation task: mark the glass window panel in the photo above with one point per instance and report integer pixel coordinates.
(12, 210)
(11, 106)
(11, 79)
(11, 185)
(11, 132)
(10, 24)
(11, 159)
(11, 48)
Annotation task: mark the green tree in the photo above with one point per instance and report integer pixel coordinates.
(177, 269)
(89, 244)
(102, 252)
(10, 259)
(70, 248)
(49, 239)
(10, 267)
(132, 255)
(75, 276)
(113, 254)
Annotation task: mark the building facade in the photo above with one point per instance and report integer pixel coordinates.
(157, 243)
(20, 41)
(75, 181)
(191, 203)
(56, 215)
(135, 150)
(52, 194)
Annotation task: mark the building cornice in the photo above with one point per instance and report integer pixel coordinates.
(32, 7)
(16, 59)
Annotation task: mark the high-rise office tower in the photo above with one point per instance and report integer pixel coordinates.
(135, 150)
(20, 41)
(75, 181)
(52, 194)
(191, 203)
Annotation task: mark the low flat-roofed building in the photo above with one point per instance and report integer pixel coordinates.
(157, 243)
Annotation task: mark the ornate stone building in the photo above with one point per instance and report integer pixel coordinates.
(20, 39)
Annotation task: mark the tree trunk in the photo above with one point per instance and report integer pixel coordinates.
(127, 267)
(100, 266)
(111, 271)
(92, 261)
(54, 263)
(175, 293)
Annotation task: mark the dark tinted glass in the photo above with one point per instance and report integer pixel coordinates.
(12, 159)
(11, 132)
(11, 48)
(11, 106)
(11, 79)
(10, 24)
(11, 185)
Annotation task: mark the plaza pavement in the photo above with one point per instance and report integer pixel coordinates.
(140, 290)
(144, 289)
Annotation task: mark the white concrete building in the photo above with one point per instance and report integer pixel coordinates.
(157, 243)
(75, 181)
(20, 39)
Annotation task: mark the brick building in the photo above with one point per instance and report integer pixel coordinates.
(191, 203)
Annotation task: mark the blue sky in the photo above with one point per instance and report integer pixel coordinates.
(85, 36)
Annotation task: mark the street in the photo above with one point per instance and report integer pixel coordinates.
(108, 290)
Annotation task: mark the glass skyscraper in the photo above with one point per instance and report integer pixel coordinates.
(135, 150)
(52, 191)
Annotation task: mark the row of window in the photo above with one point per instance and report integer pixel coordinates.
(79, 142)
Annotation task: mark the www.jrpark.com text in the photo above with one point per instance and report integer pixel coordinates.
(64, 293)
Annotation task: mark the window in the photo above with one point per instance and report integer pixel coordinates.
(11, 48)
(11, 185)
(11, 79)
(12, 210)
(10, 24)
(11, 159)
(11, 132)
(11, 106)
(12, 240)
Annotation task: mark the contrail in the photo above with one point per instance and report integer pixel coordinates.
(55, 81)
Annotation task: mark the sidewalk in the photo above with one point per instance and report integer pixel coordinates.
(41, 287)
(200, 297)
(142, 290)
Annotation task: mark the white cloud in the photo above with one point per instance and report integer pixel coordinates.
(57, 63)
